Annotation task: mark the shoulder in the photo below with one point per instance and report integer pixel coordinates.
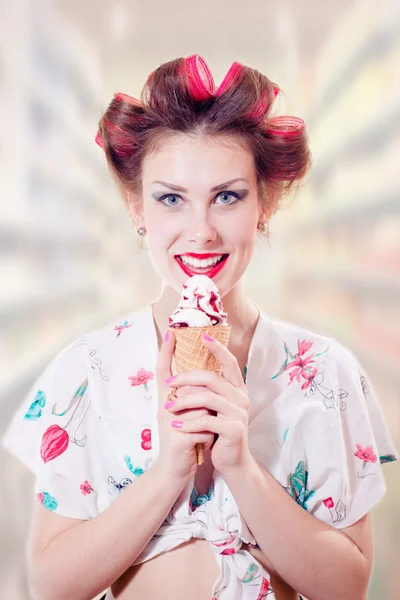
(300, 340)
(132, 324)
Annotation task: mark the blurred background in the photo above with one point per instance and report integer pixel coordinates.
(69, 256)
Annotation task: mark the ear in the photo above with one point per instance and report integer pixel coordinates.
(135, 208)
(273, 195)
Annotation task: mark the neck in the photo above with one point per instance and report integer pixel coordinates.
(242, 312)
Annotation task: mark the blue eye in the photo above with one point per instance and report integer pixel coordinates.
(233, 194)
(236, 196)
(168, 196)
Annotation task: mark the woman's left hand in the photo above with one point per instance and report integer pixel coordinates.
(225, 394)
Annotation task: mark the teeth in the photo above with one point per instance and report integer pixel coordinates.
(197, 263)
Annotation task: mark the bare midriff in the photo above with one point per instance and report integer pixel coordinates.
(188, 571)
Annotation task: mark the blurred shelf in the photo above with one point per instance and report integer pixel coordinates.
(49, 298)
(43, 109)
(354, 212)
(368, 139)
(27, 237)
(351, 282)
(375, 46)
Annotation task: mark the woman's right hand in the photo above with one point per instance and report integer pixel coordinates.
(177, 452)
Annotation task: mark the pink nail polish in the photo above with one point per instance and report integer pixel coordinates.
(208, 337)
(166, 336)
(176, 423)
(169, 404)
(172, 378)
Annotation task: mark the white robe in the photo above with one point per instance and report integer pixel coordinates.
(88, 428)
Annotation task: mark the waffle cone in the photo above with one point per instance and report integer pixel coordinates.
(191, 354)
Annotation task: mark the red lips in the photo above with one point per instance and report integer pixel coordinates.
(212, 272)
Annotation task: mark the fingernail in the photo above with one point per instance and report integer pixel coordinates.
(172, 378)
(208, 337)
(166, 336)
(176, 423)
(169, 404)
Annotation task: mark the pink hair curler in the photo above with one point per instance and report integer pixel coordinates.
(98, 140)
(199, 77)
(276, 89)
(286, 126)
(233, 72)
(126, 98)
(262, 106)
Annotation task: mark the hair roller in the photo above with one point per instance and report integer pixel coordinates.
(286, 126)
(234, 70)
(200, 81)
(99, 140)
(128, 99)
(261, 107)
(121, 141)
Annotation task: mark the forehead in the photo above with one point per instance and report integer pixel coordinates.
(184, 159)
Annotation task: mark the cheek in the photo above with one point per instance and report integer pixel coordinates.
(243, 231)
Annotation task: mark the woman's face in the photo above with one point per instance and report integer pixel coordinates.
(197, 220)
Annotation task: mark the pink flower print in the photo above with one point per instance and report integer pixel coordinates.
(366, 454)
(55, 441)
(120, 328)
(86, 488)
(299, 365)
(309, 379)
(141, 378)
(303, 347)
(328, 502)
(146, 439)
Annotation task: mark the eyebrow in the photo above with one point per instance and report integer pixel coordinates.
(221, 186)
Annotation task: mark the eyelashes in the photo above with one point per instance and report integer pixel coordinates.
(227, 193)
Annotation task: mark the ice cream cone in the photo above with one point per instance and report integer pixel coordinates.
(191, 354)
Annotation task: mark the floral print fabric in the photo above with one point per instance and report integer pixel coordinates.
(88, 429)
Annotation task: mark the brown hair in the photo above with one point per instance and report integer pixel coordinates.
(179, 97)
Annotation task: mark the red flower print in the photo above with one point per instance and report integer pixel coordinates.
(366, 454)
(55, 441)
(141, 378)
(328, 502)
(303, 347)
(86, 488)
(146, 437)
(298, 365)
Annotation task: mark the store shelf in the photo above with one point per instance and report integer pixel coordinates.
(370, 49)
(49, 298)
(353, 283)
(353, 212)
(369, 139)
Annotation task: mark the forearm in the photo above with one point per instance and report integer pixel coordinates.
(315, 559)
(86, 559)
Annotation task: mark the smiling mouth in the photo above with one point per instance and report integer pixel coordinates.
(209, 270)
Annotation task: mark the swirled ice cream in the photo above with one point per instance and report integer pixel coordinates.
(200, 304)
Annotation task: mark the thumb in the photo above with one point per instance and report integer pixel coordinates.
(165, 356)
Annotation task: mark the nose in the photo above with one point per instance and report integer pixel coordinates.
(200, 230)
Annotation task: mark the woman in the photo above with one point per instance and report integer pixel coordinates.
(281, 505)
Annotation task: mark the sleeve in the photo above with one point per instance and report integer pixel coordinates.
(52, 434)
(338, 444)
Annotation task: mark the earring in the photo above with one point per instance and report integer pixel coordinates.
(261, 226)
(142, 231)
